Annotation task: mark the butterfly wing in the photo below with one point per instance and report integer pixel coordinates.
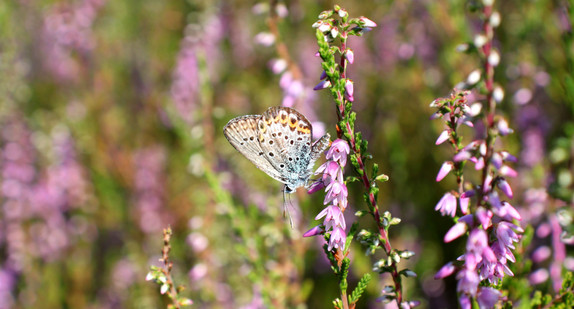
(319, 147)
(285, 137)
(243, 134)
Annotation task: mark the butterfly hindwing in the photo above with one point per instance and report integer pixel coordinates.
(243, 134)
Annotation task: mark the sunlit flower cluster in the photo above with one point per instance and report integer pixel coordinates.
(336, 195)
(489, 224)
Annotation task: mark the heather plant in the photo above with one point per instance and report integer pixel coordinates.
(333, 29)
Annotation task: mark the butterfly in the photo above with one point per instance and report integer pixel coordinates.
(278, 142)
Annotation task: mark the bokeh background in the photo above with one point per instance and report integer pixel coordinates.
(111, 117)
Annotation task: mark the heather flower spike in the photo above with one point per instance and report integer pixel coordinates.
(332, 31)
(488, 218)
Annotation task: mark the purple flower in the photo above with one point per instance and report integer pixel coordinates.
(317, 230)
(350, 56)
(484, 217)
(504, 187)
(367, 22)
(333, 217)
(444, 135)
(339, 151)
(506, 170)
(455, 232)
(445, 271)
(349, 90)
(322, 85)
(330, 171)
(467, 281)
(316, 186)
(444, 170)
(447, 205)
(465, 302)
(541, 254)
(462, 156)
(487, 297)
(337, 239)
(538, 276)
(337, 193)
(464, 205)
(506, 234)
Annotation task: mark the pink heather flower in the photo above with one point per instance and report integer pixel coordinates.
(445, 271)
(539, 276)
(506, 156)
(486, 185)
(322, 85)
(350, 56)
(333, 217)
(541, 254)
(278, 66)
(487, 297)
(501, 252)
(503, 128)
(496, 160)
(330, 171)
(506, 234)
(349, 90)
(477, 241)
(447, 205)
(508, 212)
(462, 156)
(506, 170)
(464, 205)
(504, 187)
(484, 217)
(367, 22)
(338, 238)
(318, 230)
(455, 232)
(465, 302)
(185, 84)
(444, 170)
(479, 163)
(316, 186)
(442, 137)
(467, 194)
(467, 281)
(337, 193)
(339, 151)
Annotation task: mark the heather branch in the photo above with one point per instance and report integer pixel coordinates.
(341, 89)
(162, 275)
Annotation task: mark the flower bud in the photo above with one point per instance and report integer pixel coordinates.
(367, 22)
(473, 77)
(350, 56)
(322, 85)
(494, 19)
(494, 58)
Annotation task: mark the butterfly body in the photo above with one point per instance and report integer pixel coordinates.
(279, 142)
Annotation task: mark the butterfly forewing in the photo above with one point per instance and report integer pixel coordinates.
(285, 136)
(243, 134)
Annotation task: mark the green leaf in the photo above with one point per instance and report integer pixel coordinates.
(360, 289)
